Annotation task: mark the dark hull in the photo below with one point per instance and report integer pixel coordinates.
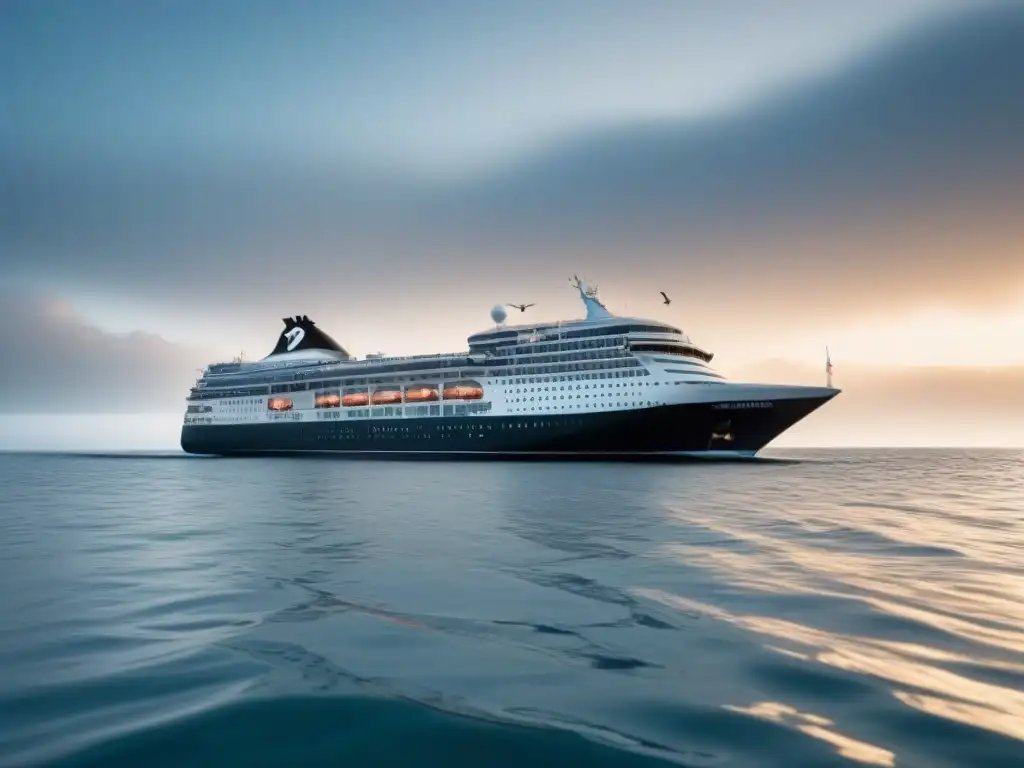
(723, 429)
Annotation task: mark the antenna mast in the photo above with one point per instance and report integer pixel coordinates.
(588, 293)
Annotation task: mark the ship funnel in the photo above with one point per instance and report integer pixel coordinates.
(301, 334)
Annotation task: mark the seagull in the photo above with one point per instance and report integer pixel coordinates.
(522, 307)
(667, 299)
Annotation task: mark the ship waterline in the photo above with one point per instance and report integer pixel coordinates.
(603, 386)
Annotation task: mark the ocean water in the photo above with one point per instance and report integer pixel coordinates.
(812, 609)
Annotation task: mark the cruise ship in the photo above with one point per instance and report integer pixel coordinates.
(603, 386)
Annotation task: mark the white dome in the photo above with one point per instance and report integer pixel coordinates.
(498, 314)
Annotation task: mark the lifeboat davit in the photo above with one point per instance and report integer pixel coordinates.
(386, 397)
(464, 390)
(328, 400)
(279, 404)
(353, 399)
(421, 394)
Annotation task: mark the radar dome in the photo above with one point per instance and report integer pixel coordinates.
(498, 314)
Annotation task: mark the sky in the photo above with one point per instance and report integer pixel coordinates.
(175, 177)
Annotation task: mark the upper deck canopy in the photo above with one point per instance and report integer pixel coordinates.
(599, 321)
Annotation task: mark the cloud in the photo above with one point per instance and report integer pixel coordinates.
(54, 362)
(453, 83)
(908, 406)
(894, 180)
(886, 185)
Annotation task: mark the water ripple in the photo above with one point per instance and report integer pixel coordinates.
(858, 608)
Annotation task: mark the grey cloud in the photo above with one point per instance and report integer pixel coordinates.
(895, 180)
(54, 362)
(927, 136)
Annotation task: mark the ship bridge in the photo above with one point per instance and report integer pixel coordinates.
(600, 328)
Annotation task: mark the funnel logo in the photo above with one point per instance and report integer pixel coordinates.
(295, 337)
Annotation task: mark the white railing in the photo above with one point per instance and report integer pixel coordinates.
(289, 364)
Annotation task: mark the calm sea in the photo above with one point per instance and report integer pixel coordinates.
(813, 609)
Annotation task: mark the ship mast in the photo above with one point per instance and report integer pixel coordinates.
(595, 309)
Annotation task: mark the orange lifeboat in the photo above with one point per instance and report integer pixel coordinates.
(353, 399)
(328, 400)
(279, 404)
(386, 397)
(464, 390)
(421, 394)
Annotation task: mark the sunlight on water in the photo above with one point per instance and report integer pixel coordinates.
(819, 728)
(948, 563)
(983, 705)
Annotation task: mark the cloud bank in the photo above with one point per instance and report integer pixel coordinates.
(53, 362)
(890, 183)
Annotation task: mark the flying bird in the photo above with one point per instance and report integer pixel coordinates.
(667, 299)
(522, 307)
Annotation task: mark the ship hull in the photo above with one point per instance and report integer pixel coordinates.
(704, 430)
